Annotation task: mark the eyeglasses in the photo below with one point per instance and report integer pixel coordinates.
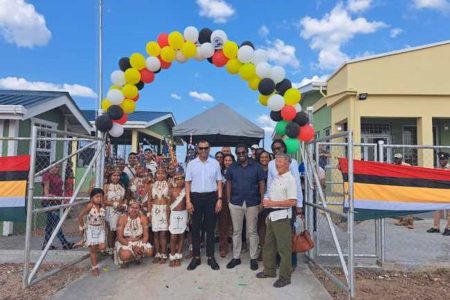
(241, 153)
(276, 148)
(203, 148)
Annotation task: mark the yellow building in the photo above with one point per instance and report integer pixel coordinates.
(400, 97)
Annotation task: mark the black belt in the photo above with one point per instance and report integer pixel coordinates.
(206, 193)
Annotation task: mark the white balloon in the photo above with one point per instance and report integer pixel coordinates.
(118, 78)
(180, 57)
(206, 50)
(116, 130)
(153, 64)
(275, 102)
(298, 107)
(218, 38)
(260, 56)
(245, 54)
(115, 96)
(198, 55)
(190, 34)
(263, 70)
(277, 74)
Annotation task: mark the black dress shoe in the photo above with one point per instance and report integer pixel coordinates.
(193, 264)
(68, 246)
(253, 264)
(212, 262)
(446, 232)
(233, 263)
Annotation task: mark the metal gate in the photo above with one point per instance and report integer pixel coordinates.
(329, 209)
(50, 216)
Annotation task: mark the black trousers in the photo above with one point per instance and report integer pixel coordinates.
(204, 211)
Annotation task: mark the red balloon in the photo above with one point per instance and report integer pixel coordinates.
(288, 113)
(163, 39)
(219, 59)
(306, 133)
(147, 76)
(122, 120)
(164, 64)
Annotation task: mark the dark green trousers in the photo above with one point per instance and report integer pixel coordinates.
(278, 240)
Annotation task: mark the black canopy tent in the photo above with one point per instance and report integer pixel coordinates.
(220, 126)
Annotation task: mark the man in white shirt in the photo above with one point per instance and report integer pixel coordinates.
(150, 163)
(130, 168)
(203, 201)
(281, 198)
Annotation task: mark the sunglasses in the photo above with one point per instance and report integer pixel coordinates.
(203, 148)
(241, 152)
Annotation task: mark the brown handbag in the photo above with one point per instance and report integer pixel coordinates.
(302, 242)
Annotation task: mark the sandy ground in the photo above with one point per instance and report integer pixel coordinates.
(374, 284)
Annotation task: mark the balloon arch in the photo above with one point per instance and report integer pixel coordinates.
(275, 91)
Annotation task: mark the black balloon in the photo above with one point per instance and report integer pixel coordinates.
(140, 85)
(283, 86)
(292, 129)
(248, 43)
(157, 71)
(266, 86)
(210, 60)
(276, 116)
(103, 123)
(115, 112)
(204, 36)
(124, 63)
(301, 118)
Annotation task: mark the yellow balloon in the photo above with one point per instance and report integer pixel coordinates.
(129, 91)
(128, 106)
(230, 49)
(247, 71)
(263, 99)
(132, 76)
(254, 82)
(168, 54)
(137, 61)
(176, 39)
(189, 49)
(292, 96)
(105, 104)
(233, 66)
(153, 48)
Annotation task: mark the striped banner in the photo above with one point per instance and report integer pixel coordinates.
(13, 187)
(382, 189)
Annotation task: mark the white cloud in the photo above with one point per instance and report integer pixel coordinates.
(263, 31)
(205, 97)
(218, 10)
(440, 5)
(14, 83)
(395, 32)
(21, 25)
(282, 54)
(305, 80)
(175, 96)
(358, 5)
(266, 123)
(332, 31)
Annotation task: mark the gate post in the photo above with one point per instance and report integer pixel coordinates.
(29, 208)
(350, 214)
(380, 223)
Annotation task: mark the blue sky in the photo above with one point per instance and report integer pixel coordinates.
(53, 44)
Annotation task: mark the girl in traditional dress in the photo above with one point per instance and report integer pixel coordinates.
(115, 194)
(158, 200)
(140, 185)
(94, 227)
(178, 220)
(132, 236)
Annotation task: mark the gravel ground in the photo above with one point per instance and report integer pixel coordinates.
(372, 284)
(11, 282)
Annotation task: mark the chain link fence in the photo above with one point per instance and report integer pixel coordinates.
(63, 169)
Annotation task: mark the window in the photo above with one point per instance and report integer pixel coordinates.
(409, 137)
(45, 148)
(327, 131)
(367, 129)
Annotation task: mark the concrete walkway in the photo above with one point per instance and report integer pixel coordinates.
(154, 281)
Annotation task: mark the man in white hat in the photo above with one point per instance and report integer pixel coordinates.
(398, 160)
(254, 147)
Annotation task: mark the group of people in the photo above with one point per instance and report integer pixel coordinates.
(151, 208)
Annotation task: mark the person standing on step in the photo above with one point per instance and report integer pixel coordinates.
(245, 191)
(203, 201)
